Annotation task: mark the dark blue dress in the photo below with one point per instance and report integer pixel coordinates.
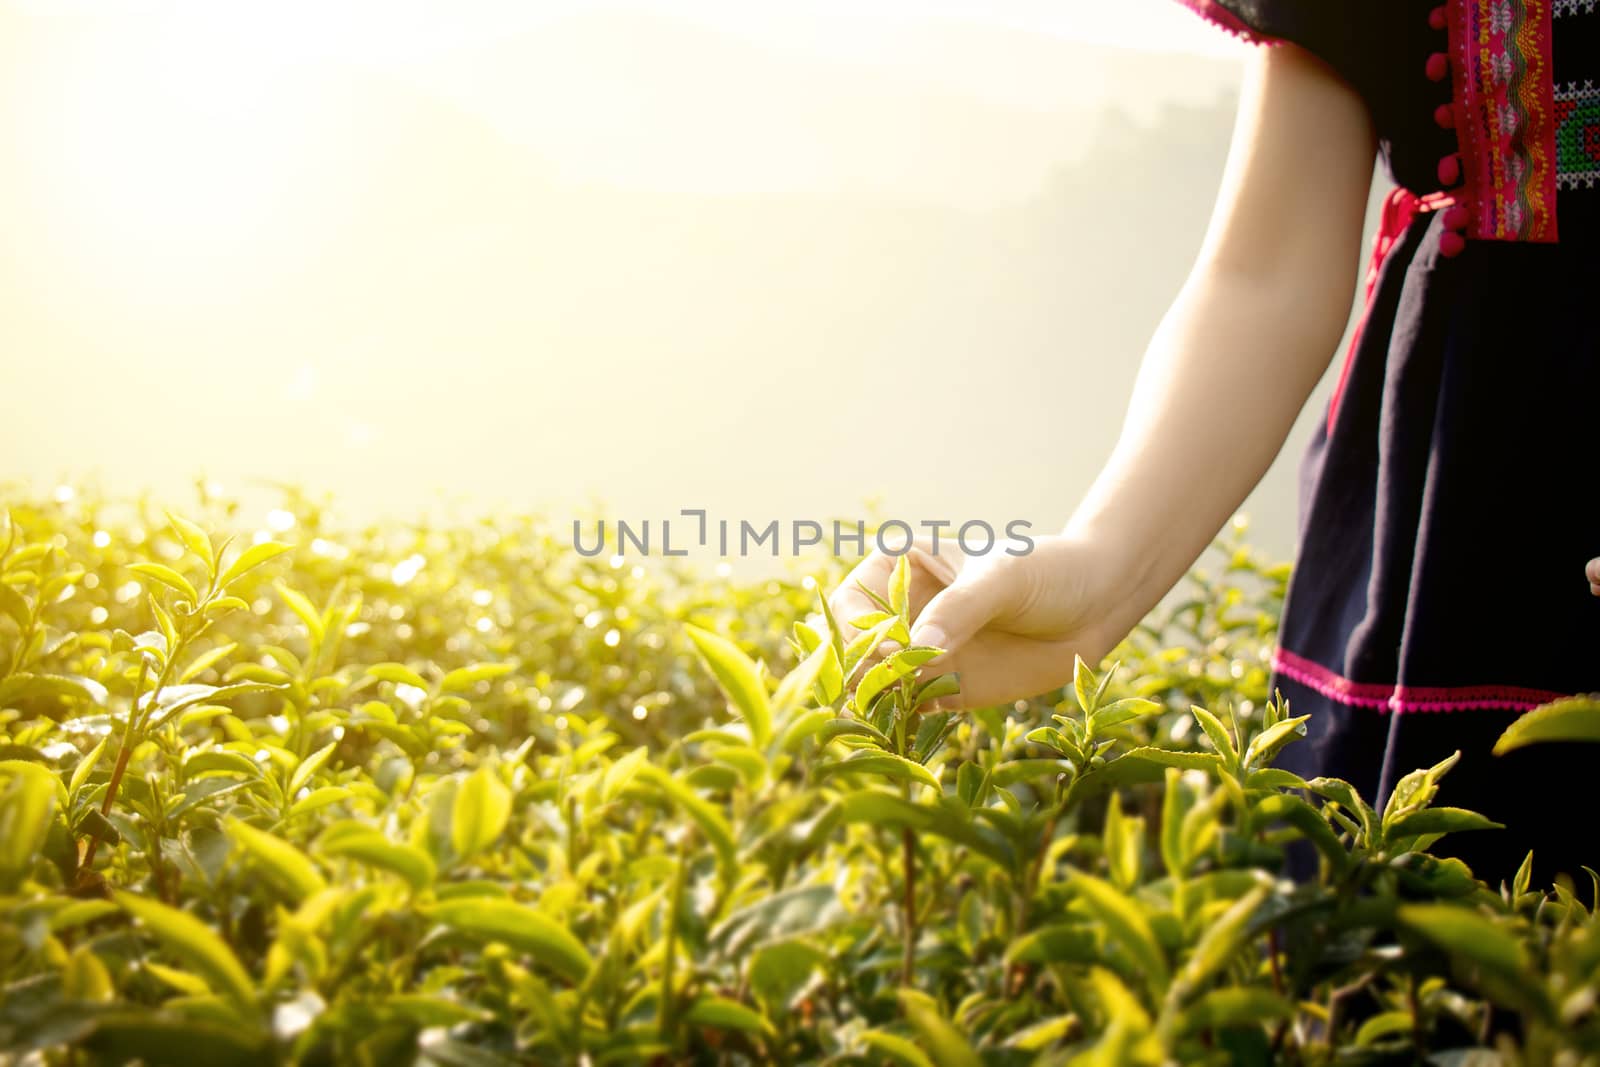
(1451, 496)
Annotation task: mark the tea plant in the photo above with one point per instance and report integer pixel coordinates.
(458, 795)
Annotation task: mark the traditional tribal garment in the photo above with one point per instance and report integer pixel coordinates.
(1449, 499)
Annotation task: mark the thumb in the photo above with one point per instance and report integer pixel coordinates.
(958, 612)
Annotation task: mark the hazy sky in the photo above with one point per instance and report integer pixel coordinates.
(671, 254)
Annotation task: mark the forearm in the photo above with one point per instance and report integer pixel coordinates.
(1245, 342)
(1219, 389)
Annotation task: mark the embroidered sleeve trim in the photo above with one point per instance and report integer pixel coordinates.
(1407, 698)
(1218, 15)
(1501, 55)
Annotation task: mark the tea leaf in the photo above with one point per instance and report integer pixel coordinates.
(399, 674)
(739, 680)
(482, 807)
(168, 577)
(464, 679)
(1573, 719)
(286, 866)
(943, 1042)
(523, 928)
(193, 942)
(897, 666)
(249, 560)
(882, 764)
(195, 540)
(1125, 924)
(1220, 739)
(720, 1013)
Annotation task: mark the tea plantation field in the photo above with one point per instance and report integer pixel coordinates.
(457, 795)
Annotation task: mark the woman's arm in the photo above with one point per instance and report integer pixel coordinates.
(1250, 334)
(1232, 364)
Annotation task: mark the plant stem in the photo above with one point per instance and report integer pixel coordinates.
(908, 905)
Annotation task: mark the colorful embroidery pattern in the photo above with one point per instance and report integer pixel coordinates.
(1407, 698)
(1577, 111)
(1501, 62)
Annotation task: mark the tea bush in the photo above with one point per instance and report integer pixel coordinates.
(459, 795)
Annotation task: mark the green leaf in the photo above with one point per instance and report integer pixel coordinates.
(1269, 742)
(1234, 1006)
(85, 767)
(720, 1013)
(195, 540)
(739, 680)
(882, 764)
(175, 698)
(1085, 686)
(398, 673)
(938, 1038)
(1438, 821)
(890, 670)
(249, 560)
(1499, 960)
(523, 928)
(797, 685)
(1184, 761)
(15, 605)
(705, 815)
(465, 678)
(900, 588)
(1057, 943)
(191, 985)
(1309, 822)
(1124, 846)
(193, 942)
(1011, 772)
(27, 803)
(168, 577)
(1220, 739)
(286, 866)
(310, 766)
(1573, 719)
(375, 850)
(781, 969)
(1125, 923)
(156, 1039)
(894, 1049)
(304, 609)
(482, 807)
(1120, 711)
(1223, 940)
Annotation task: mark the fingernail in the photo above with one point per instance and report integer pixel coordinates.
(929, 637)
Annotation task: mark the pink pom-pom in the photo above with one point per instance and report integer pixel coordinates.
(1457, 217)
(1451, 244)
(1439, 18)
(1450, 171)
(1445, 116)
(1438, 67)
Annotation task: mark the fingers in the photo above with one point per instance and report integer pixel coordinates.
(964, 608)
(1593, 572)
(998, 669)
(930, 573)
(849, 602)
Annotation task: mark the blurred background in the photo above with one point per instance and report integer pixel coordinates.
(779, 260)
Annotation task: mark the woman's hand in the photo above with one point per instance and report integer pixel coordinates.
(1011, 625)
(1593, 571)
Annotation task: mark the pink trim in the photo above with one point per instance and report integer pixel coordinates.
(1407, 698)
(1399, 210)
(1218, 15)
